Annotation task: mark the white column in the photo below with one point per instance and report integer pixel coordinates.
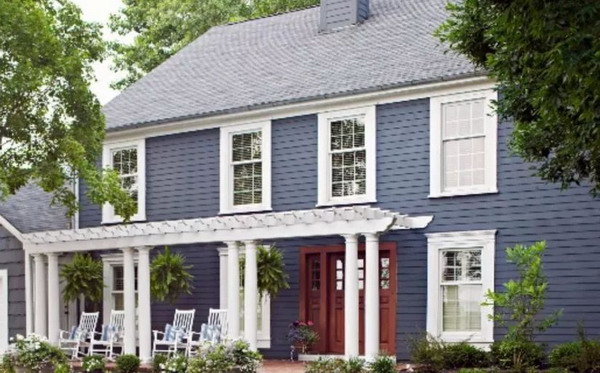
(28, 295)
(250, 295)
(223, 277)
(145, 317)
(54, 298)
(372, 296)
(351, 297)
(233, 289)
(129, 301)
(41, 301)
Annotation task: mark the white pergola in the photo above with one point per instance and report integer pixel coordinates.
(235, 231)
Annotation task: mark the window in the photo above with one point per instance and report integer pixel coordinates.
(460, 271)
(117, 289)
(129, 161)
(113, 296)
(463, 144)
(246, 168)
(347, 158)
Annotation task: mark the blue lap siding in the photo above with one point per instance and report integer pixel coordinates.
(183, 182)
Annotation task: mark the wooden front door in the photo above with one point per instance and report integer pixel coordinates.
(322, 296)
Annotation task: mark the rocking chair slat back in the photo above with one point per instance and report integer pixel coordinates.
(117, 320)
(88, 322)
(184, 320)
(218, 318)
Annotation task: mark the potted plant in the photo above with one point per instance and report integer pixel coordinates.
(302, 336)
(271, 271)
(83, 276)
(34, 354)
(169, 276)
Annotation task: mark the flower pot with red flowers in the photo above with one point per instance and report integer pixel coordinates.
(302, 336)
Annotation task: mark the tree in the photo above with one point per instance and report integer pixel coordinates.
(545, 57)
(51, 126)
(163, 27)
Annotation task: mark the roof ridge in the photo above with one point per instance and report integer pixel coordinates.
(246, 20)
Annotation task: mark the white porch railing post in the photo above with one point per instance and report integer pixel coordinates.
(250, 295)
(129, 301)
(41, 301)
(351, 318)
(223, 263)
(144, 314)
(233, 289)
(28, 295)
(53, 296)
(372, 296)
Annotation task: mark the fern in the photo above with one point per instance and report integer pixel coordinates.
(169, 276)
(83, 276)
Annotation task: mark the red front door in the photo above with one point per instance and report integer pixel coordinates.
(322, 296)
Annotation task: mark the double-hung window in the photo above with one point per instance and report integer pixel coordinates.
(460, 271)
(114, 290)
(463, 144)
(347, 157)
(128, 160)
(246, 168)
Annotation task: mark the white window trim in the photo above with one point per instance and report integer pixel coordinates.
(436, 189)
(263, 335)
(108, 212)
(110, 261)
(226, 174)
(324, 171)
(4, 310)
(436, 242)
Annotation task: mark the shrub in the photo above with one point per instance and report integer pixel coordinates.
(33, 353)
(128, 364)
(383, 364)
(581, 356)
(62, 368)
(326, 366)
(175, 364)
(224, 357)
(516, 356)
(355, 365)
(427, 350)
(94, 364)
(158, 360)
(474, 370)
(463, 355)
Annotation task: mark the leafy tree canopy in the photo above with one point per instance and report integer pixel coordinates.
(51, 126)
(163, 27)
(545, 56)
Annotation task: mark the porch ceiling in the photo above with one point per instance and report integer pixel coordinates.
(262, 226)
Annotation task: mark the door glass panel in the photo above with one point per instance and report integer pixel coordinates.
(384, 274)
(316, 275)
(339, 274)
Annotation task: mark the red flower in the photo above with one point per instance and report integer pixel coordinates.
(310, 323)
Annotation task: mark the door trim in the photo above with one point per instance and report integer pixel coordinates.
(4, 310)
(324, 251)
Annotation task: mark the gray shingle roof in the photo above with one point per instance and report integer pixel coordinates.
(29, 210)
(283, 59)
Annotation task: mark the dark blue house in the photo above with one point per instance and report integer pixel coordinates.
(345, 136)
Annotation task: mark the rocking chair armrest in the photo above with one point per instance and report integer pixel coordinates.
(156, 333)
(63, 333)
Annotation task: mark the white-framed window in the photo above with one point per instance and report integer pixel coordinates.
(113, 295)
(347, 158)
(460, 271)
(263, 323)
(463, 144)
(246, 168)
(129, 160)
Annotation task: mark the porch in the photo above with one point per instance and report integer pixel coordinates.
(247, 231)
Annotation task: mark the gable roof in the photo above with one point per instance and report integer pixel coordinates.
(284, 59)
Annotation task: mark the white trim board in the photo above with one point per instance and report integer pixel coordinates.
(11, 228)
(309, 107)
(3, 310)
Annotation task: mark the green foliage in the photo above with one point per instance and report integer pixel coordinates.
(163, 27)
(517, 356)
(581, 356)
(157, 361)
(33, 354)
(383, 364)
(169, 276)
(6, 365)
(128, 364)
(437, 355)
(62, 368)
(175, 364)
(545, 56)
(83, 276)
(355, 365)
(272, 277)
(225, 357)
(51, 125)
(94, 364)
(323, 365)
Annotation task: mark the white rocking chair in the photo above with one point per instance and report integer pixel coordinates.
(110, 336)
(72, 341)
(175, 336)
(212, 332)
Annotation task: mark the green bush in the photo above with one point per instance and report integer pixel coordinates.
(427, 350)
(326, 366)
(159, 360)
(516, 356)
(94, 364)
(225, 357)
(580, 356)
(464, 355)
(355, 365)
(128, 364)
(62, 368)
(383, 364)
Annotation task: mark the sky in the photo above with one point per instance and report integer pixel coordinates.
(99, 11)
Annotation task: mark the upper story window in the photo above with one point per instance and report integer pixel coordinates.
(461, 270)
(128, 159)
(463, 144)
(246, 168)
(347, 159)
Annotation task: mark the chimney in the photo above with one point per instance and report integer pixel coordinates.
(337, 14)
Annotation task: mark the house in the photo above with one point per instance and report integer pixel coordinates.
(29, 210)
(347, 137)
